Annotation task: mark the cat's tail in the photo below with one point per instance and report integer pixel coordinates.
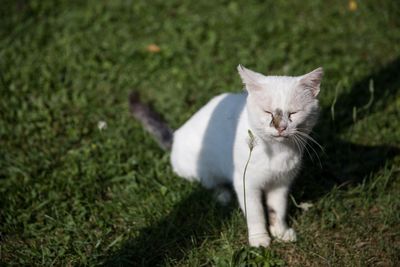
(151, 121)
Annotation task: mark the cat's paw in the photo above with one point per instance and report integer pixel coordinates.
(223, 196)
(261, 240)
(283, 234)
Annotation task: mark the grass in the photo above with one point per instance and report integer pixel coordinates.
(71, 194)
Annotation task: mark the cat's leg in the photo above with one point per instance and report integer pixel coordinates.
(256, 224)
(276, 206)
(222, 192)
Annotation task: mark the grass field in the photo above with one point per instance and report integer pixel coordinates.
(72, 193)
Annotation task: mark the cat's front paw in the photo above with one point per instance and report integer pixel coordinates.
(260, 240)
(283, 234)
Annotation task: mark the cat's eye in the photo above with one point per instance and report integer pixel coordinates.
(290, 115)
(269, 113)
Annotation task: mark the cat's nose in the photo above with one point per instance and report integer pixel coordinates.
(281, 128)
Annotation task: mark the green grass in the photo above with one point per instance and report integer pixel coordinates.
(71, 194)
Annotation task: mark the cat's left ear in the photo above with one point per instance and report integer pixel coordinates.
(250, 78)
(312, 81)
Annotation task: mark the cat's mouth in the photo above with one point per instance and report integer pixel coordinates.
(280, 137)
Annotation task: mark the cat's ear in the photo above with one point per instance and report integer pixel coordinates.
(250, 78)
(312, 81)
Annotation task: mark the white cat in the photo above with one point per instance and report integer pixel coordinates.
(212, 146)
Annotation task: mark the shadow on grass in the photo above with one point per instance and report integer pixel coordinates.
(193, 220)
(198, 217)
(344, 162)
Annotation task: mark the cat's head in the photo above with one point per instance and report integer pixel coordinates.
(282, 107)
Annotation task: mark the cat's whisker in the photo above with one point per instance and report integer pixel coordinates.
(303, 143)
(297, 145)
(307, 144)
(308, 137)
(314, 141)
(316, 154)
(311, 139)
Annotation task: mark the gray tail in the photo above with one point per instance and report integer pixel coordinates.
(152, 121)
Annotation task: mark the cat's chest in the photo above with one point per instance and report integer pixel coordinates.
(275, 162)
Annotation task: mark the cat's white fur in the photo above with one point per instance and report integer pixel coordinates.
(212, 146)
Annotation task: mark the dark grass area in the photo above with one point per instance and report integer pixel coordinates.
(72, 194)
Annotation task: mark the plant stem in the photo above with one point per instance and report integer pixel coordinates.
(251, 146)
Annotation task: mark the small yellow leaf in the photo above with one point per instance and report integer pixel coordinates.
(353, 5)
(153, 48)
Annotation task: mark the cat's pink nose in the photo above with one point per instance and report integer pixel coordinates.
(281, 128)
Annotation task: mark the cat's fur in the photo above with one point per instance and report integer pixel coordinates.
(212, 146)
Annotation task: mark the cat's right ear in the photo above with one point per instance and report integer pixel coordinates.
(312, 81)
(250, 78)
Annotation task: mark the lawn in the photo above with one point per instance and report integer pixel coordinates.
(73, 193)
